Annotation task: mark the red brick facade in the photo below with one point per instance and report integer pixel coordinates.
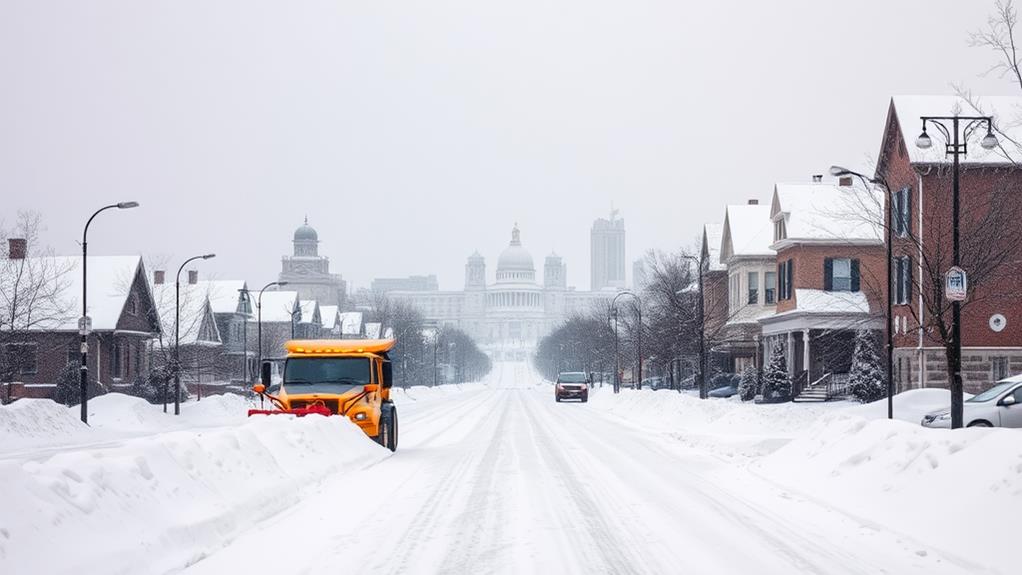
(808, 271)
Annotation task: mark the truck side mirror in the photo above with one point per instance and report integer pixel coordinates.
(388, 375)
(266, 373)
(259, 388)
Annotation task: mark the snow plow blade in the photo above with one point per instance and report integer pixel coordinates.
(311, 410)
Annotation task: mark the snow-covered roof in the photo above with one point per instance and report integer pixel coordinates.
(829, 212)
(750, 314)
(110, 280)
(278, 305)
(308, 310)
(351, 322)
(328, 315)
(373, 330)
(224, 295)
(830, 302)
(713, 235)
(748, 231)
(1006, 112)
(195, 312)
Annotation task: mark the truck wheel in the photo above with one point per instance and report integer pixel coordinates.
(585, 398)
(557, 398)
(392, 435)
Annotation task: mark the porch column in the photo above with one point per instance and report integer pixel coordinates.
(790, 353)
(805, 356)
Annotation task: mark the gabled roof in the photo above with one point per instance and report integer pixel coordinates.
(329, 316)
(198, 326)
(310, 311)
(1006, 112)
(351, 323)
(828, 212)
(224, 295)
(110, 281)
(278, 305)
(748, 232)
(713, 235)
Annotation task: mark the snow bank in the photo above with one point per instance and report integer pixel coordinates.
(185, 493)
(909, 405)
(36, 422)
(960, 490)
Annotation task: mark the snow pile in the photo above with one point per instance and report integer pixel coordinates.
(931, 483)
(156, 503)
(120, 412)
(909, 405)
(36, 422)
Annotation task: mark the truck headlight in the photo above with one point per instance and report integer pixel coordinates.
(360, 416)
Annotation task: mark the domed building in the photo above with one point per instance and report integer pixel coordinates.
(515, 308)
(308, 273)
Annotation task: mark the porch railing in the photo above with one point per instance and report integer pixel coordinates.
(799, 383)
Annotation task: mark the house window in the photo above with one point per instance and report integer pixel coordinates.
(133, 305)
(22, 357)
(770, 287)
(901, 217)
(902, 280)
(753, 279)
(840, 274)
(779, 231)
(785, 278)
(74, 354)
(118, 359)
(998, 368)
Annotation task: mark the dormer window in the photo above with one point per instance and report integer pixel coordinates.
(780, 232)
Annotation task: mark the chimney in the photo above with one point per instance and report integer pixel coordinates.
(193, 277)
(817, 178)
(159, 276)
(845, 181)
(753, 202)
(16, 248)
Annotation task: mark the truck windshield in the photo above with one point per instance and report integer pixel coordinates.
(327, 371)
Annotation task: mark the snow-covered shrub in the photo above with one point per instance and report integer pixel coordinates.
(776, 383)
(866, 379)
(68, 390)
(721, 380)
(748, 387)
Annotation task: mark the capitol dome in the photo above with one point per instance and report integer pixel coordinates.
(306, 233)
(515, 262)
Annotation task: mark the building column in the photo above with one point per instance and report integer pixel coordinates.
(790, 353)
(805, 356)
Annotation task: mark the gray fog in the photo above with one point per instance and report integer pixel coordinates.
(412, 133)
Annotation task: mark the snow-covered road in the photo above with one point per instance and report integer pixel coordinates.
(503, 479)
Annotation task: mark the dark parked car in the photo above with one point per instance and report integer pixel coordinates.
(726, 391)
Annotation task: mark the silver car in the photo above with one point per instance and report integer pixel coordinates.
(999, 406)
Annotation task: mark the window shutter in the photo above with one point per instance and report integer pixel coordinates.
(896, 212)
(907, 208)
(908, 279)
(828, 274)
(898, 289)
(780, 281)
(791, 276)
(855, 275)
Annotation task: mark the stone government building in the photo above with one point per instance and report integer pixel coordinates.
(308, 273)
(516, 309)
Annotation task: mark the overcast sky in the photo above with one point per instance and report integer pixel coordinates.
(413, 133)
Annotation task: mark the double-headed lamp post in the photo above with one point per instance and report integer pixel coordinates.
(638, 307)
(837, 172)
(956, 138)
(177, 332)
(84, 324)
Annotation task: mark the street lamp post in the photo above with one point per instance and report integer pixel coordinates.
(838, 171)
(700, 261)
(617, 360)
(177, 332)
(613, 305)
(84, 324)
(962, 127)
(259, 319)
(247, 298)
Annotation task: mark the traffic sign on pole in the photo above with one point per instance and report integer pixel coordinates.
(956, 284)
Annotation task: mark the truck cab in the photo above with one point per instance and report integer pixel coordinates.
(350, 378)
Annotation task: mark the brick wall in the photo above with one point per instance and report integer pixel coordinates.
(809, 272)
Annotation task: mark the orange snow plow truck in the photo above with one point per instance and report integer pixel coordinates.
(351, 378)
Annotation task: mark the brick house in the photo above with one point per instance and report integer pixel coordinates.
(830, 276)
(200, 342)
(33, 353)
(715, 299)
(991, 206)
(751, 263)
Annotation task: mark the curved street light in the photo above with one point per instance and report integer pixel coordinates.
(613, 306)
(177, 334)
(84, 326)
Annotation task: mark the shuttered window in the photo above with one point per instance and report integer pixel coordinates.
(841, 274)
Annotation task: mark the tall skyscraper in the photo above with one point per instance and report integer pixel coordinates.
(607, 253)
